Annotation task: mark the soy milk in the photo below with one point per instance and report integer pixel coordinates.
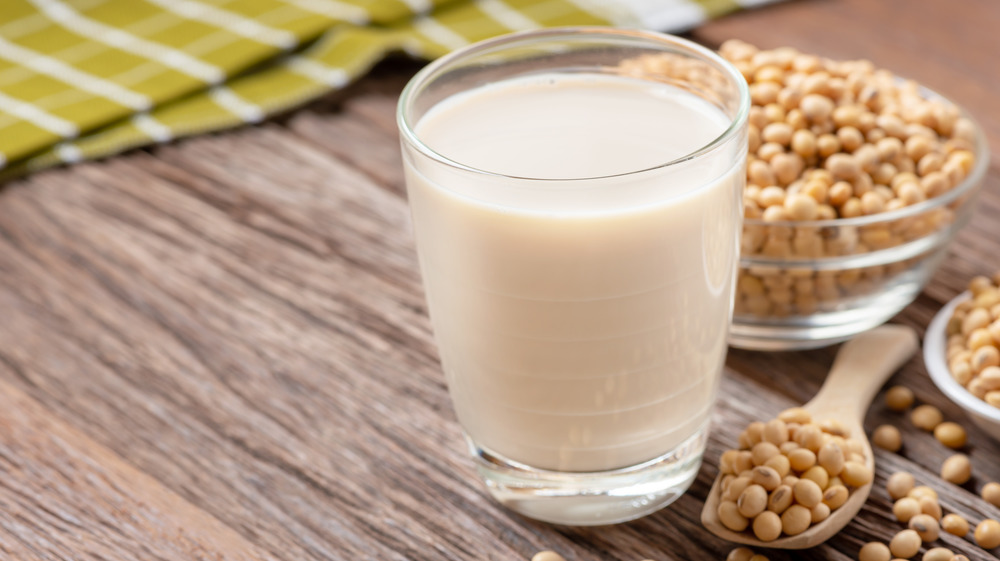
(581, 315)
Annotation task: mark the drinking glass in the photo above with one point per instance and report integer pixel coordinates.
(581, 319)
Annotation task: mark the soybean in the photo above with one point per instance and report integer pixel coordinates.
(991, 493)
(899, 398)
(802, 459)
(899, 484)
(780, 464)
(736, 488)
(922, 491)
(752, 501)
(957, 469)
(926, 417)
(887, 437)
(780, 499)
(762, 452)
(905, 544)
(766, 477)
(776, 432)
(729, 515)
(838, 140)
(808, 493)
(820, 513)
(926, 527)
(835, 496)
(905, 509)
(874, 551)
(796, 520)
(740, 554)
(767, 526)
(988, 534)
(856, 474)
(950, 434)
(831, 458)
(789, 474)
(938, 554)
(930, 507)
(955, 525)
(974, 342)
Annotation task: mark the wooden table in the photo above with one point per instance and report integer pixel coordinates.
(219, 349)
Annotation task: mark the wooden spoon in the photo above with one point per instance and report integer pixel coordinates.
(861, 367)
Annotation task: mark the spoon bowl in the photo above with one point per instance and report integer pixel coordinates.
(862, 366)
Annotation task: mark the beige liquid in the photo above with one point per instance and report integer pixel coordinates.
(581, 323)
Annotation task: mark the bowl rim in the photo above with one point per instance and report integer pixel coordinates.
(937, 367)
(980, 150)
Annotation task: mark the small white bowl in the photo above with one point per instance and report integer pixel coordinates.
(935, 339)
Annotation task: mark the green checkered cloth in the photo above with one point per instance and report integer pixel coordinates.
(82, 79)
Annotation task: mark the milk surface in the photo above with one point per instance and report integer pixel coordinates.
(581, 317)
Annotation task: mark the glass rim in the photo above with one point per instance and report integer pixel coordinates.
(424, 76)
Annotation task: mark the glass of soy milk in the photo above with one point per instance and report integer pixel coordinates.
(577, 202)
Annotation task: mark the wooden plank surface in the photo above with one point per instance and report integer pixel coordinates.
(236, 324)
(63, 496)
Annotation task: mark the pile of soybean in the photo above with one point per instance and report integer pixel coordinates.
(788, 474)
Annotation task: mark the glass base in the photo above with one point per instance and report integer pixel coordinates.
(592, 498)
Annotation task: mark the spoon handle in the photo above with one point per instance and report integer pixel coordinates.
(862, 365)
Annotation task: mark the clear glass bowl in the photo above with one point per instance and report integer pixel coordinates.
(935, 340)
(865, 271)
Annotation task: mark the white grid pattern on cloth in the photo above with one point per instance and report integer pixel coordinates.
(230, 21)
(102, 33)
(334, 10)
(548, 10)
(152, 128)
(59, 70)
(31, 113)
(216, 40)
(229, 100)
(233, 103)
(325, 74)
(318, 72)
(69, 152)
(221, 38)
(608, 11)
(37, 21)
(505, 15)
(439, 33)
(676, 15)
(82, 52)
(414, 48)
(247, 111)
(419, 6)
(312, 68)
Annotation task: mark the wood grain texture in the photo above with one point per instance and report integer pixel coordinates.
(240, 318)
(63, 496)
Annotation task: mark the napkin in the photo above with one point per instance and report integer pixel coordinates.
(83, 79)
